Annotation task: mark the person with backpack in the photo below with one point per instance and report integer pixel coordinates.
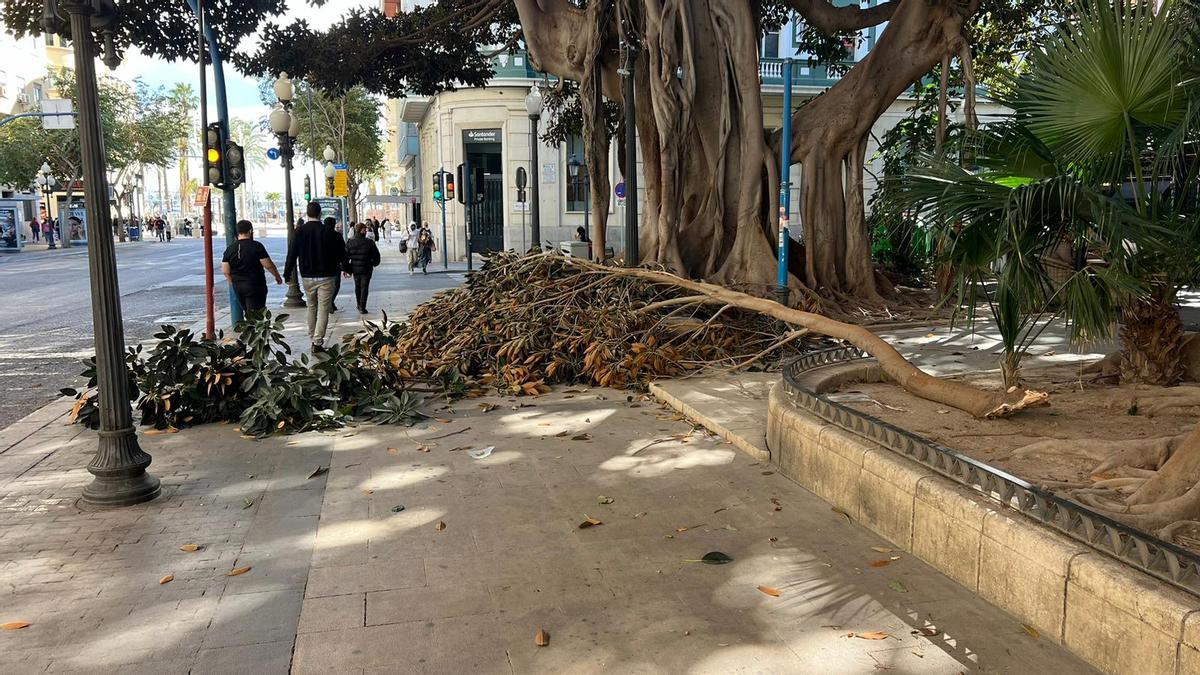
(243, 265)
(427, 245)
(363, 257)
(320, 255)
(411, 245)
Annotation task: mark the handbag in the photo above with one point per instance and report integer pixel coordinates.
(404, 247)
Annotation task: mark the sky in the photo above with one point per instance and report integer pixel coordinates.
(242, 91)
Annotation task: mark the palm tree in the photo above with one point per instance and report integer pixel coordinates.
(1101, 125)
(183, 98)
(253, 140)
(273, 201)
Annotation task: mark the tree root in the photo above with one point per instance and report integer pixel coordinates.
(1162, 400)
(1138, 453)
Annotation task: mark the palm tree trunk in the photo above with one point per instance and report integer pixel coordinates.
(1152, 339)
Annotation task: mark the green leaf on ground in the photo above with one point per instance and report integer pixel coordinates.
(897, 586)
(247, 502)
(397, 508)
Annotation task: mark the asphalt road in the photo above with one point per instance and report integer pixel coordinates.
(46, 317)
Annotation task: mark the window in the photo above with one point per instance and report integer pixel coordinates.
(771, 45)
(576, 187)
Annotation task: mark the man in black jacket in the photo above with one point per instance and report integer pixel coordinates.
(321, 254)
(364, 258)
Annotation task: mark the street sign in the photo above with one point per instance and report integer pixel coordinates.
(272, 153)
(202, 195)
(58, 114)
(620, 189)
(341, 181)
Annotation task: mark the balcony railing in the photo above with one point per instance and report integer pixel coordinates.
(770, 73)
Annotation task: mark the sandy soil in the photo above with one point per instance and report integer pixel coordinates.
(1079, 409)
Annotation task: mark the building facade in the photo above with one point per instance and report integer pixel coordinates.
(489, 126)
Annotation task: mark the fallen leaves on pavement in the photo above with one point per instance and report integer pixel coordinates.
(871, 635)
(14, 625)
(189, 548)
(773, 592)
(542, 638)
(590, 522)
(238, 571)
(166, 579)
(441, 525)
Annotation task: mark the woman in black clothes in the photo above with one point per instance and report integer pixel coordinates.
(363, 256)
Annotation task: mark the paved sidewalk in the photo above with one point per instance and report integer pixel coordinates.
(342, 581)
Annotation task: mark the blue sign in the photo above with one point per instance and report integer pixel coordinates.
(272, 153)
(620, 189)
(339, 167)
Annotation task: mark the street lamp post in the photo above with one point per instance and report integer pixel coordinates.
(119, 465)
(286, 127)
(46, 182)
(329, 156)
(533, 105)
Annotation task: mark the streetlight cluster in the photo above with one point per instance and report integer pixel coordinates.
(286, 127)
(46, 183)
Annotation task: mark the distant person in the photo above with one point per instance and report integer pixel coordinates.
(363, 255)
(35, 230)
(428, 246)
(386, 228)
(48, 231)
(334, 226)
(243, 265)
(581, 234)
(320, 255)
(412, 246)
(376, 228)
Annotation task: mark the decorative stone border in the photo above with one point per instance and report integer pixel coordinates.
(961, 517)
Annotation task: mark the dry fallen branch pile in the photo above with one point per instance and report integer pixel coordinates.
(522, 323)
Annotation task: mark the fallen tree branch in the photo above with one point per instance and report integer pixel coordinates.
(975, 401)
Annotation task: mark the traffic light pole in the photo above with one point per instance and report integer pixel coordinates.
(229, 205)
(210, 321)
(445, 249)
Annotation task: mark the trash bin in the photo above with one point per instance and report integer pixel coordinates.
(135, 234)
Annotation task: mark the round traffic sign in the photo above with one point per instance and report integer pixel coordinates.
(272, 153)
(620, 189)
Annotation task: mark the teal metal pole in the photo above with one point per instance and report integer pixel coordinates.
(785, 185)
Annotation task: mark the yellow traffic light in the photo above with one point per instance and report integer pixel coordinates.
(214, 155)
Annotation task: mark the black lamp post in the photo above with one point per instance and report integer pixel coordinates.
(119, 465)
(286, 127)
(533, 105)
(46, 182)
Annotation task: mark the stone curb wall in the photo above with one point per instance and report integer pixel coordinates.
(1116, 618)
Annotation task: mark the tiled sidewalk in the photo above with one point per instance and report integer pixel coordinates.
(342, 581)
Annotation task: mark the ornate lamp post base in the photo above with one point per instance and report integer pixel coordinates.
(294, 297)
(120, 470)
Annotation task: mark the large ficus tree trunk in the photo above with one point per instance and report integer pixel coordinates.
(711, 169)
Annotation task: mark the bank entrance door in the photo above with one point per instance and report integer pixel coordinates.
(483, 148)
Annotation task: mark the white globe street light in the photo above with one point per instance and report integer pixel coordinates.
(284, 90)
(280, 120)
(329, 154)
(534, 102)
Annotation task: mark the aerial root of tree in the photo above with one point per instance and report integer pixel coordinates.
(1152, 402)
(1152, 484)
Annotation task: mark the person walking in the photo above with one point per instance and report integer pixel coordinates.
(363, 255)
(48, 232)
(35, 229)
(320, 256)
(332, 225)
(428, 246)
(243, 265)
(412, 246)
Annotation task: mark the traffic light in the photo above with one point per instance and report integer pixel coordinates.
(449, 185)
(437, 186)
(235, 165)
(214, 151)
(462, 195)
(477, 185)
(307, 189)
